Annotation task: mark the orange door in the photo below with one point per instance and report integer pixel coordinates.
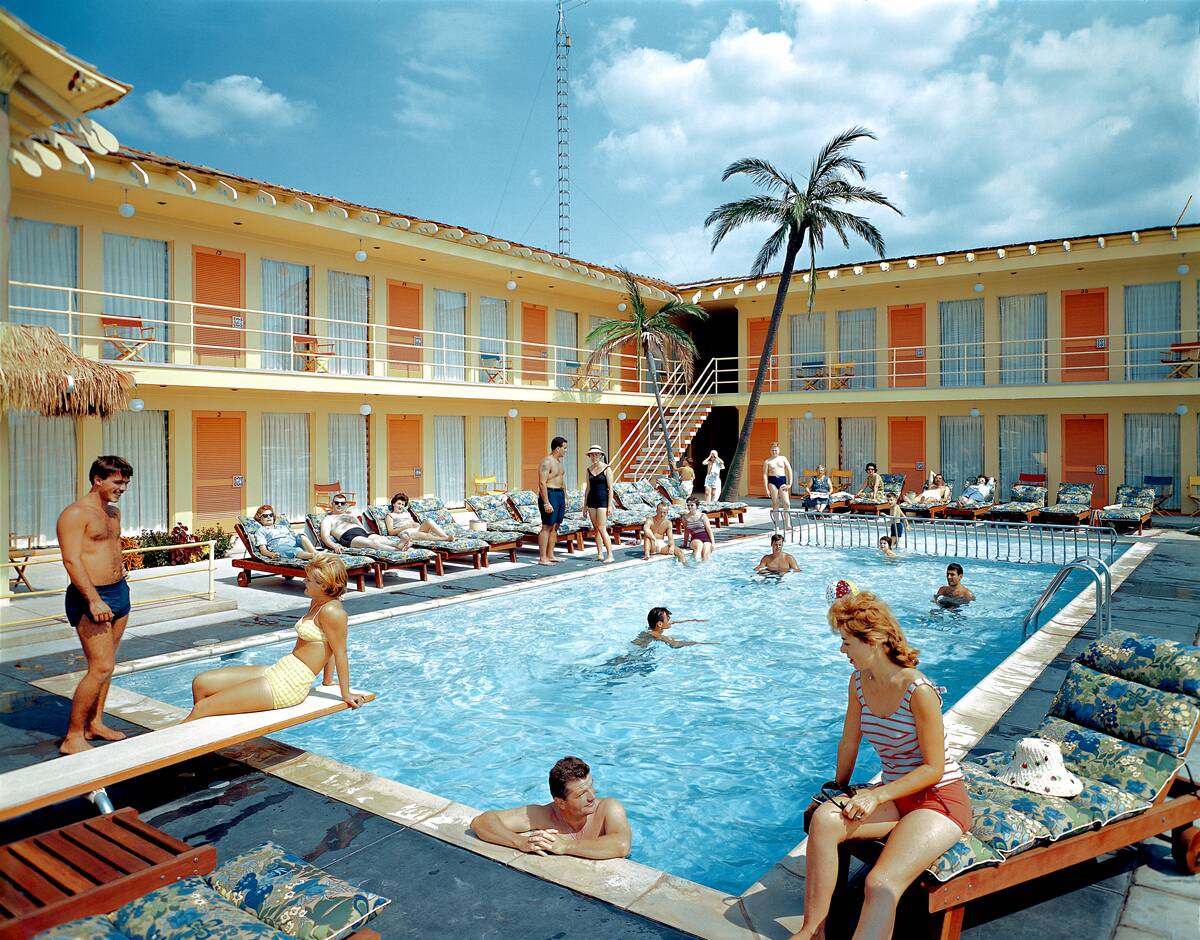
(906, 451)
(1085, 454)
(756, 339)
(1085, 339)
(533, 344)
(404, 325)
(906, 342)
(219, 334)
(762, 435)
(218, 465)
(534, 446)
(404, 469)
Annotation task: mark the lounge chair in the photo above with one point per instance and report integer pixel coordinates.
(472, 548)
(1164, 489)
(383, 559)
(839, 499)
(1026, 501)
(643, 503)
(893, 490)
(1193, 485)
(323, 494)
(1134, 506)
(525, 504)
(723, 509)
(287, 568)
(972, 509)
(494, 510)
(1073, 506)
(1125, 718)
(433, 509)
(932, 510)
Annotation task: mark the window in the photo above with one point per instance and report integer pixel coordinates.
(285, 298)
(808, 445)
(856, 343)
(1023, 339)
(141, 438)
(962, 342)
(285, 464)
(41, 473)
(567, 427)
(857, 447)
(566, 339)
(1152, 320)
(598, 434)
(137, 266)
(962, 450)
(1152, 450)
(44, 253)
(449, 477)
(449, 344)
(349, 310)
(348, 455)
(808, 348)
(493, 328)
(493, 448)
(1022, 450)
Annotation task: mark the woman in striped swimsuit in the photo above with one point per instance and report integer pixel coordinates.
(921, 807)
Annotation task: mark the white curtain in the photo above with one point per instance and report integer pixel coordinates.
(137, 266)
(566, 326)
(349, 307)
(285, 298)
(141, 438)
(598, 434)
(808, 347)
(41, 473)
(808, 444)
(567, 427)
(1151, 310)
(493, 328)
(1023, 339)
(962, 342)
(348, 455)
(1022, 449)
(1152, 450)
(857, 436)
(449, 460)
(43, 253)
(285, 463)
(962, 450)
(856, 343)
(449, 345)
(493, 448)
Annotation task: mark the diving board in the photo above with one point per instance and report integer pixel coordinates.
(30, 788)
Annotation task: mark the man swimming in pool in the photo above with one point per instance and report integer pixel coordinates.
(659, 622)
(658, 535)
(574, 822)
(777, 561)
(953, 593)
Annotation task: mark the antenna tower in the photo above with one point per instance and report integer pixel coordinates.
(562, 46)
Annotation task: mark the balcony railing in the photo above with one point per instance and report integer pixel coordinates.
(152, 331)
(1112, 357)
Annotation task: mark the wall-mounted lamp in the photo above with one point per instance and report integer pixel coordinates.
(940, 259)
(979, 287)
(361, 255)
(970, 256)
(620, 416)
(622, 307)
(510, 284)
(512, 412)
(136, 404)
(126, 210)
(808, 416)
(974, 412)
(1182, 269)
(364, 410)
(1181, 410)
(1135, 236)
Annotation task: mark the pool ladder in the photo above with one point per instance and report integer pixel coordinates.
(1102, 575)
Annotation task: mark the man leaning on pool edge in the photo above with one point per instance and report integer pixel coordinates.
(574, 822)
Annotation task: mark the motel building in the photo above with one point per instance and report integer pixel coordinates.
(281, 339)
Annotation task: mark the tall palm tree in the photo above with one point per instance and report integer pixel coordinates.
(800, 213)
(656, 332)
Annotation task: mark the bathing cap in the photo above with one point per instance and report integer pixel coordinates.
(840, 588)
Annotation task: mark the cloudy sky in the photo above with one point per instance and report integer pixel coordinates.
(997, 121)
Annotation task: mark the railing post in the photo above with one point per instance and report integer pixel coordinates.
(212, 569)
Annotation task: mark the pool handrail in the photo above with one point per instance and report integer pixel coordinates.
(1102, 575)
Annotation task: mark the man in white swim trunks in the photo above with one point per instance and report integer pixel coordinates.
(658, 535)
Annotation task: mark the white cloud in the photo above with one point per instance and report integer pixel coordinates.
(535, 179)
(239, 105)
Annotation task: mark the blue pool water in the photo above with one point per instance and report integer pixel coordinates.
(714, 750)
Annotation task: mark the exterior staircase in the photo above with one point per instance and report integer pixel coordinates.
(643, 453)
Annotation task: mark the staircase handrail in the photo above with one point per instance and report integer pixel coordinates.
(639, 433)
(1102, 575)
(685, 412)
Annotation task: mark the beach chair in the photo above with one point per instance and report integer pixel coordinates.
(676, 489)
(287, 568)
(972, 509)
(1125, 718)
(1164, 489)
(1026, 501)
(1134, 506)
(485, 486)
(323, 494)
(1037, 479)
(314, 354)
(1193, 484)
(428, 551)
(524, 505)
(932, 510)
(433, 509)
(893, 490)
(19, 555)
(495, 511)
(128, 336)
(1072, 507)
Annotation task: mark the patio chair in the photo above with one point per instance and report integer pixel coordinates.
(495, 511)
(1125, 718)
(314, 354)
(1164, 489)
(128, 336)
(323, 494)
(972, 510)
(433, 509)
(459, 549)
(1037, 479)
(19, 556)
(524, 505)
(1134, 506)
(893, 489)
(839, 499)
(1194, 493)
(1026, 500)
(1073, 506)
(635, 501)
(485, 486)
(932, 510)
(286, 568)
(720, 511)
(417, 555)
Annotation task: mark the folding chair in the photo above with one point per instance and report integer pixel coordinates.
(313, 353)
(128, 337)
(323, 494)
(19, 556)
(1164, 489)
(495, 368)
(1036, 479)
(1194, 493)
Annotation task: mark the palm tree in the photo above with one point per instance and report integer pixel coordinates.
(652, 332)
(799, 214)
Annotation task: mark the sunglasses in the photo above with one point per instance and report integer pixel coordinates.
(831, 791)
(339, 502)
(266, 515)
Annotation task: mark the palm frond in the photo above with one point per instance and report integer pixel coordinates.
(679, 308)
(741, 212)
(861, 227)
(613, 331)
(832, 156)
(770, 248)
(761, 171)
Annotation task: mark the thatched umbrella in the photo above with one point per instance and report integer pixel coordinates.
(38, 371)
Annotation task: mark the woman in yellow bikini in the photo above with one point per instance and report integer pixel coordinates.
(320, 643)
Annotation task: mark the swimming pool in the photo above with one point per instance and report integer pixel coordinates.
(714, 750)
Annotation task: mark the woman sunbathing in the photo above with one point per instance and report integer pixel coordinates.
(978, 493)
(277, 540)
(320, 644)
(399, 522)
(936, 491)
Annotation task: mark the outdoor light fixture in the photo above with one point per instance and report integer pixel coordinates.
(364, 410)
(884, 266)
(360, 256)
(512, 412)
(940, 259)
(833, 274)
(760, 286)
(126, 210)
(1000, 252)
(858, 269)
(1066, 246)
(621, 307)
(1033, 249)
(136, 404)
(1182, 269)
(979, 287)
(620, 416)
(971, 256)
(974, 412)
(1181, 410)
(808, 416)
(912, 263)
(511, 284)
(1135, 236)
(1100, 241)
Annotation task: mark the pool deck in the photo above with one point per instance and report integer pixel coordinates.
(442, 889)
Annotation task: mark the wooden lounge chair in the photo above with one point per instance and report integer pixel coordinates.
(1027, 500)
(128, 336)
(893, 489)
(1073, 506)
(384, 559)
(494, 511)
(931, 510)
(1134, 506)
(726, 509)
(841, 484)
(972, 509)
(456, 548)
(524, 504)
(288, 568)
(431, 508)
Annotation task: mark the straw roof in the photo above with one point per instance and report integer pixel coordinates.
(38, 371)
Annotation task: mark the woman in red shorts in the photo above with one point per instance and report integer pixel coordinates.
(921, 807)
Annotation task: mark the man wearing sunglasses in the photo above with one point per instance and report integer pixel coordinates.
(342, 529)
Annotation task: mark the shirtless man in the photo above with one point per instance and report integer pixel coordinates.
(552, 499)
(658, 535)
(659, 622)
(953, 593)
(574, 822)
(777, 561)
(341, 529)
(89, 536)
(936, 491)
(777, 480)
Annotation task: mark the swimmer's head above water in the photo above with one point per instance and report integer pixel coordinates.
(659, 618)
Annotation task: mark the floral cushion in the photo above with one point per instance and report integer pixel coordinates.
(1015, 508)
(291, 895)
(1150, 660)
(395, 555)
(1054, 817)
(1139, 771)
(967, 853)
(433, 509)
(1029, 493)
(250, 527)
(190, 908)
(1136, 496)
(1078, 494)
(1103, 802)
(525, 503)
(491, 508)
(1127, 710)
(86, 928)
(1124, 514)
(1068, 510)
(676, 487)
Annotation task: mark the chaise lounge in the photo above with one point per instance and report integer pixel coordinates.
(525, 504)
(719, 510)
(494, 510)
(930, 509)
(433, 509)
(1073, 506)
(1134, 507)
(287, 568)
(893, 490)
(972, 509)
(383, 559)
(1027, 500)
(458, 548)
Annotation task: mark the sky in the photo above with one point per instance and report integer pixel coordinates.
(996, 122)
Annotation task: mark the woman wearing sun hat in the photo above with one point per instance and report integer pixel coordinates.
(597, 494)
(921, 808)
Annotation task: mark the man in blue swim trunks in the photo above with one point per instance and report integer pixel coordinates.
(552, 499)
(89, 536)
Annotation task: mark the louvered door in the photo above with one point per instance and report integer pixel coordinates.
(218, 465)
(219, 333)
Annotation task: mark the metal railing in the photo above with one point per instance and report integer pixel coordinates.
(631, 443)
(650, 455)
(1031, 543)
(106, 325)
(1101, 574)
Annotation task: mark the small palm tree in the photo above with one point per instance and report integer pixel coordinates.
(653, 333)
(799, 214)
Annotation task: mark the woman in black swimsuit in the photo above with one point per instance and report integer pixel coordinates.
(596, 490)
